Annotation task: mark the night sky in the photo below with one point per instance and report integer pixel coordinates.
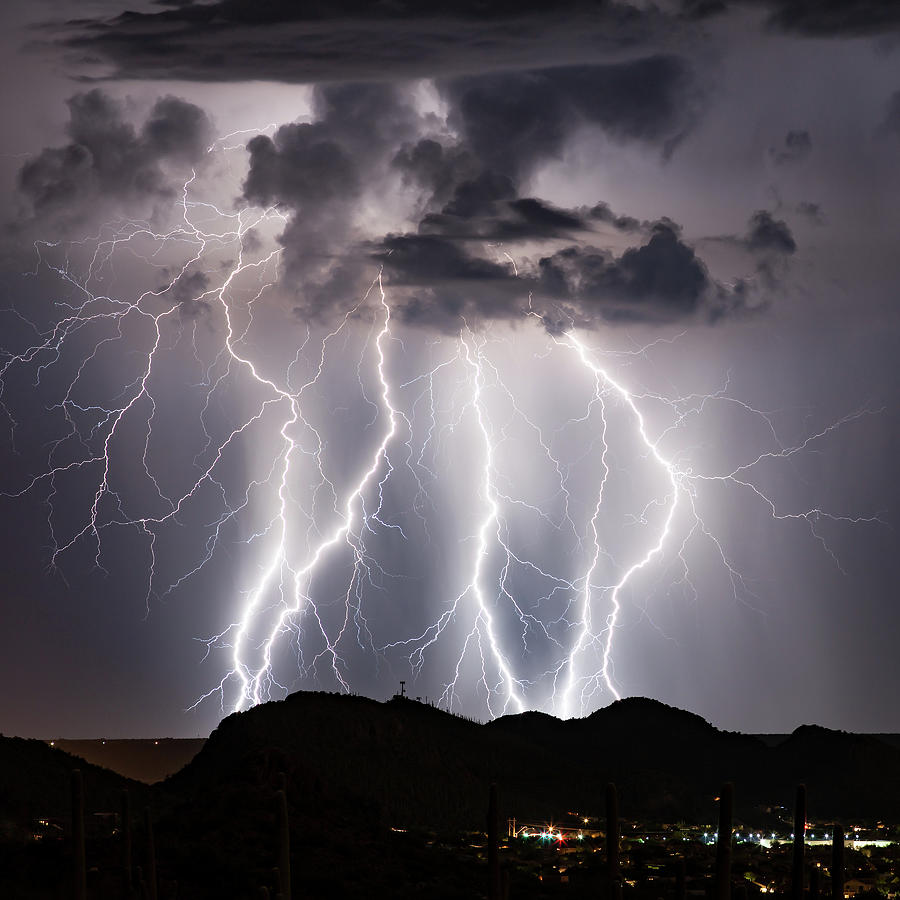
(535, 354)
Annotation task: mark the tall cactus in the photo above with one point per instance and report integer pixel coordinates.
(151, 856)
(127, 873)
(723, 843)
(837, 862)
(680, 879)
(284, 839)
(612, 837)
(799, 836)
(79, 870)
(493, 848)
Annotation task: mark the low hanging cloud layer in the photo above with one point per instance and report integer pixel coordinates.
(833, 18)
(285, 41)
(581, 285)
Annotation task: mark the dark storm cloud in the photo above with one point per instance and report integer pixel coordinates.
(187, 291)
(312, 165)
(890, 126)
(662, 280)
(486, 205)
(520, 219)
(437, 169)
(796, 147)
(769, 234)
(834, 18)
(514, 121)
(702, 9)
(811, 211)
(813, 18)
(318, 163)
(509, 124)
(300, 166)
(428, 259)
(470, 190)
(601, 212)
(444, 286)
(108, 162)
(287, 41)
(469, 184)
(318, 171)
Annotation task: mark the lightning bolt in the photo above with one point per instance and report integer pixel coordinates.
(518, 633)
(682, 483)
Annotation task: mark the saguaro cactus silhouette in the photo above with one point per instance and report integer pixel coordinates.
(723, 843)
(151, 856)
(493, 848)
(79, 871)
(284, 839)
(837, 862)
(799, 835)
(125, 830)
(612, 836)
(680, 879)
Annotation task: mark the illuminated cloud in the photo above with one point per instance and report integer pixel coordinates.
(109, 164)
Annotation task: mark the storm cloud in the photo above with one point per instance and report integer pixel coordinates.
(812, 18)
(109, 163)
(514, 121)
(890, 126)
(467, 172)
(317, 172)
(234, 40)
(768, 233)
(796, 147)
(445, 284)
(834, 18)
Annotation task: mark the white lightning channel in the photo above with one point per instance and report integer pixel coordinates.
(576, 619)
(586, 633)
(255, 684)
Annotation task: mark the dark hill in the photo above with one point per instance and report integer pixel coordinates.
(859, 774)
(34, 784)
(408, 763)
(358, 770)
(396, 763)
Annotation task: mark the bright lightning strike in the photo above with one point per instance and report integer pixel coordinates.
(397, 506)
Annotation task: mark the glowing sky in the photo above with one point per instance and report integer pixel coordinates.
(533, 357)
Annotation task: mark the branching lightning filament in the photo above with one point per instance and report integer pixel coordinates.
(386, 503)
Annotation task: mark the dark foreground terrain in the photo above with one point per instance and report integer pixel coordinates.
(389, 799)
